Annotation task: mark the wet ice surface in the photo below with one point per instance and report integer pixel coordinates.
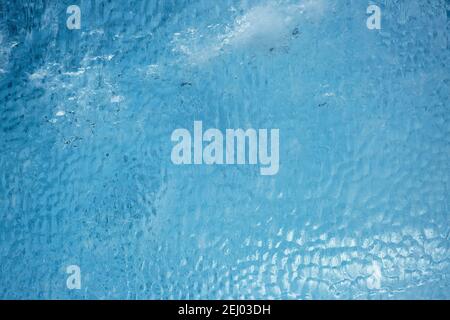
(359, 208)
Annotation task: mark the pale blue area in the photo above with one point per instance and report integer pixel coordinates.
(359, 208)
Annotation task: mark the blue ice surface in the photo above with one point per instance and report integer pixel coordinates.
(358, 210)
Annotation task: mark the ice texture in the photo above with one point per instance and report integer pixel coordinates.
(359, 208)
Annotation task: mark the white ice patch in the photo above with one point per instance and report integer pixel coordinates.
(261, 27)
(152, 70)
(38, 75)
(374, 280)
(117, 99)
(106, 57)
(75, 73)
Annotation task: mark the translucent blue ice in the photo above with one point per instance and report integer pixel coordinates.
(359, 208)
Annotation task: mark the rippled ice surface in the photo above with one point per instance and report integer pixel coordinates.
(359, 208)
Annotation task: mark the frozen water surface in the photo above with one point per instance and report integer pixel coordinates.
(359, 208)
